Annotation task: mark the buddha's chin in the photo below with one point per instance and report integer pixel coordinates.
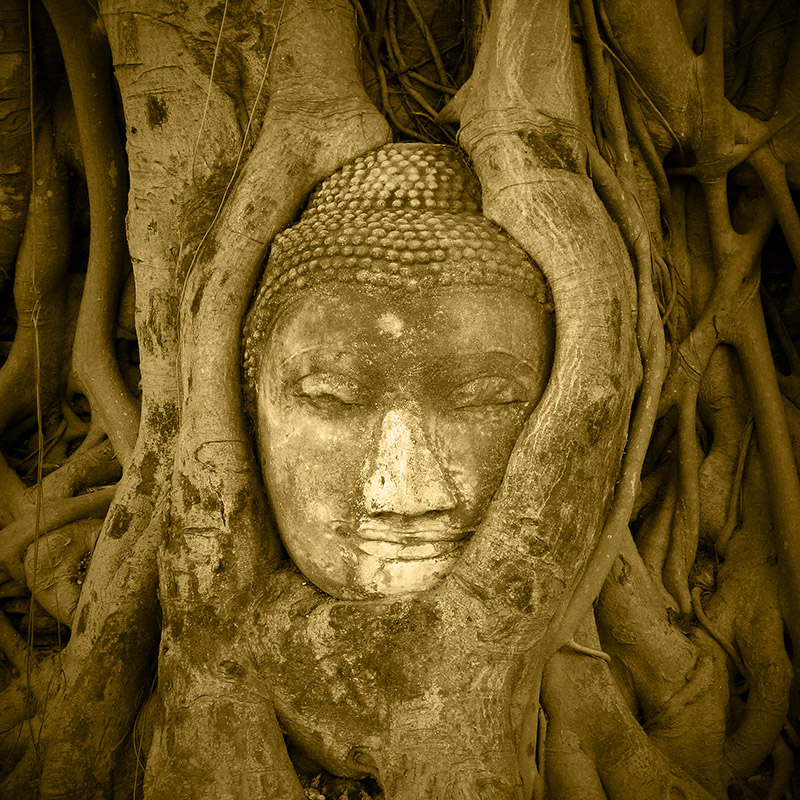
(379, 576)
(371, 577)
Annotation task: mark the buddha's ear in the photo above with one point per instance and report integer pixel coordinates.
(528, 556)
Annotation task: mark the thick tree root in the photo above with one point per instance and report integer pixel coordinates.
(18, 536)
(87, 60)
(217, 507)
(15, 133)
(636, 630)
(32, 374)
(595, 745)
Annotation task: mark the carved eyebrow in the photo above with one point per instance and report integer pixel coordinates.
(325, 354)
(474, 363)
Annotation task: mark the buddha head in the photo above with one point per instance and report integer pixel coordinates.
(397, 344)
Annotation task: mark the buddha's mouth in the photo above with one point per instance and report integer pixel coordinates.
(414, 541)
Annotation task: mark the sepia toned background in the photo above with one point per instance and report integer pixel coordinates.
(625, 620)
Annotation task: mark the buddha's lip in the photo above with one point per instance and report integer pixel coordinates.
(411, 534)
(410, 539)
(410, 550)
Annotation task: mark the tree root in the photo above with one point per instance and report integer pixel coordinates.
(744, 611)
(783, 767)
(619, 193)
(13, 645)
(19, 534)
(231, 517)
(685, 529)
(87, 60)
(654, 535)
(724, 138)
(32, 374)
(15, 133)
(506, 133)
(13, 493)
(596, 748)
(783, 486)
(56, 565)
(636, 630)
(17, 704)
(84, 469)
(711, 630)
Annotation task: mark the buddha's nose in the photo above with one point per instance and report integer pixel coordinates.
(407, 478)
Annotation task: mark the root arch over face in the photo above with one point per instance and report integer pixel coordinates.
(622, 623)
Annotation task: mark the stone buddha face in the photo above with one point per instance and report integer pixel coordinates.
(385, 421)
(397, 345)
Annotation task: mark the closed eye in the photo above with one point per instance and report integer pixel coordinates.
(328, 390)
(489, 390)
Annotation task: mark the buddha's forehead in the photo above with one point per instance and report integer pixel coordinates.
(380, 323)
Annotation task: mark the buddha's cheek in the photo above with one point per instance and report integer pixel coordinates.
(475, 446)
(313, 472)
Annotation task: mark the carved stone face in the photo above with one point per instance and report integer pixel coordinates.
(385, 422)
